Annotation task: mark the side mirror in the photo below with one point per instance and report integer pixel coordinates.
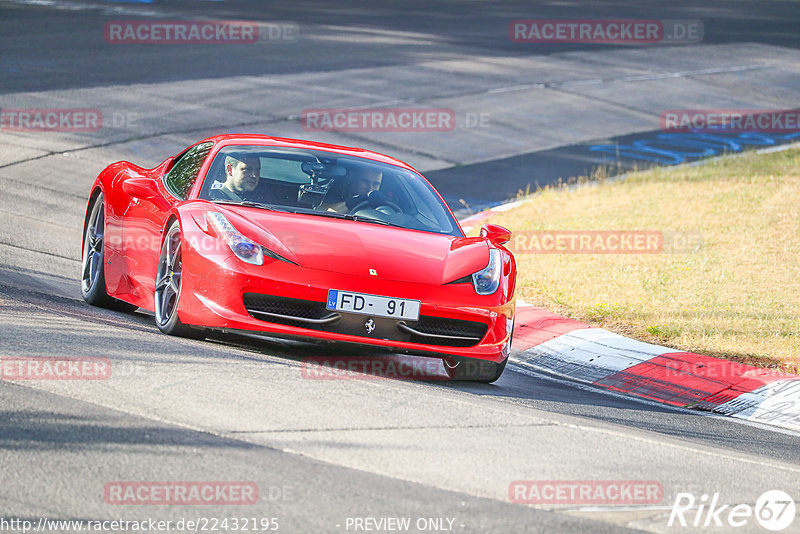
(496, 233)
(141, 188)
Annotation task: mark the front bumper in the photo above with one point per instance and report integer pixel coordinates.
(282, 299)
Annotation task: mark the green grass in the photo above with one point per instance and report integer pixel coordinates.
(734, 294)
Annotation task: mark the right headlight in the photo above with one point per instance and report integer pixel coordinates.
(487, 280)
(245, 249)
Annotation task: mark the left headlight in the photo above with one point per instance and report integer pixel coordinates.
(487, 280)
(245, 249)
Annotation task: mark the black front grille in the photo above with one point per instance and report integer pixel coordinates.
(471, 331)
(315, 316)
(285, 311)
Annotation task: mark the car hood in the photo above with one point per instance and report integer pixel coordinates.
(351, 247)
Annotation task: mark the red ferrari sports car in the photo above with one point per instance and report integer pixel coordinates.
(305, 240)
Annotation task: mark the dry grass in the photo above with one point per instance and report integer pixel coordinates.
(736, 296)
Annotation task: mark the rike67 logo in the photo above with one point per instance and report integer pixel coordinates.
(774, 510)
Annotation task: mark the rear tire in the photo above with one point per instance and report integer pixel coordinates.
(93, 278)
(169, 280)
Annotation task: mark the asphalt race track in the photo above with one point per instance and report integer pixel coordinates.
(340, 455)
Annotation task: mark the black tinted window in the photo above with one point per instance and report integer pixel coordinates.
(183, 175)
(315, 182)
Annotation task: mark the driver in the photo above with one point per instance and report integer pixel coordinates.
(242, 173)
(362, 182)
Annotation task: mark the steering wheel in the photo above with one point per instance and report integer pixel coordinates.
(383, 203)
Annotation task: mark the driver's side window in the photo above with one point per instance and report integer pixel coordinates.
(180, 179)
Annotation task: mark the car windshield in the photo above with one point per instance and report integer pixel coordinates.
(326, 184)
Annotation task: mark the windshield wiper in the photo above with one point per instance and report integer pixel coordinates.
(357, 218)
(333, 214)
(349, 217)
(364, 218)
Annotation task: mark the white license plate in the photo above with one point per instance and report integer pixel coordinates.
(347, 301)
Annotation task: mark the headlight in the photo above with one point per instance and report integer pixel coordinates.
(487, 280)
(245, 249)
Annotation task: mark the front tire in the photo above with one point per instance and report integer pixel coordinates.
(168, 285)
(93, 278)
(473, 369)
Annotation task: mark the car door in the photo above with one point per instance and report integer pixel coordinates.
(145, 218)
